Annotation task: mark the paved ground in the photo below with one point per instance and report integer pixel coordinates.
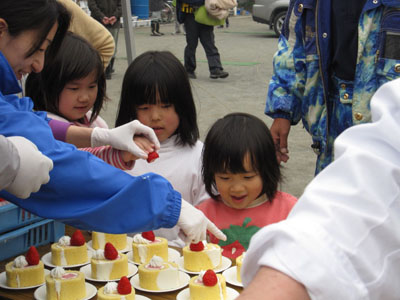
(246, 50)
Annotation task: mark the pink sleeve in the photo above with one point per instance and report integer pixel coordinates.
(111, 156)
(59, 129)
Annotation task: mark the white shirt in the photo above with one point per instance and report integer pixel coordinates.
(181, 166)
(342, 238)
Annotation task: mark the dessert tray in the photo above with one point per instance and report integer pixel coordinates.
(41, 293)
(230, 276)
(128, 247)
(231, 294)
(225, 264)
(87, 270)
(173, 256)
(47, 261)
(3, 282)
(183, 279)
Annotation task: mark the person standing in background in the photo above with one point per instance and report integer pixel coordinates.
(155, 8)
(108, 13)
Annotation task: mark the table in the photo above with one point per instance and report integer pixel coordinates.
(28, 294)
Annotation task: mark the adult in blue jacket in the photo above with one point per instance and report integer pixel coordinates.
(83, 191)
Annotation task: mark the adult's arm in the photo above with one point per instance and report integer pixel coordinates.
(9, 162)
(95, 33)
(342, 239)
(83, 191)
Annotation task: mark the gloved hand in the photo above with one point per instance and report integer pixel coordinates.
(122, 137)
(34, 168)
(195, 224)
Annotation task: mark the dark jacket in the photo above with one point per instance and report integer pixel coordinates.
(106, 8)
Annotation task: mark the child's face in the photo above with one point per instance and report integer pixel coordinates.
(161, 117)
(240, 189)
(78, 97)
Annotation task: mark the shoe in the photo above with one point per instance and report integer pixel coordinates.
(221, 26)
(155, 34)
(191, 75)
(218, 73)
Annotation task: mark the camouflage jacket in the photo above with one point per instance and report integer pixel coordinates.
(299, 86)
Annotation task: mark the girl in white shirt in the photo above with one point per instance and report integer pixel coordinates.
(157, 92)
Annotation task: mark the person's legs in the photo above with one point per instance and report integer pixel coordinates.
(213, 58)
(110, 68)
(192, 39)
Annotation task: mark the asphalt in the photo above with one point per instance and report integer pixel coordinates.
(246, 50)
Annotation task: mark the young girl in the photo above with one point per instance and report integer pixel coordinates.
(156, 91)
(72, 88)
(241, 173)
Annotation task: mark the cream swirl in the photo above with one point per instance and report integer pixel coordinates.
(57, 272)
(20, 262)
(155, 262)
(98, 254)
(138, 239)
(64, 241)
(111, 288)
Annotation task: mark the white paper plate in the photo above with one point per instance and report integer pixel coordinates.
(87, 270)
(225, 264)
(41, 293)
(183, 281)
(3, 282)
(128, 247)
(185, 294)
(173, 256)
(47, 261)
(230, 276)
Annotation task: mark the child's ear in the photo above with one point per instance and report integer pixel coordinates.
(3, 27)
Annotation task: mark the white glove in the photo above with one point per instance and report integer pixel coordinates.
(195, 224)
(34, 168)
(121, 137)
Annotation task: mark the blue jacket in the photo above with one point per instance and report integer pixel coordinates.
(299, 86)
(83, 191)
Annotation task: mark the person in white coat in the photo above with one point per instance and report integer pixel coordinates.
(342, 238)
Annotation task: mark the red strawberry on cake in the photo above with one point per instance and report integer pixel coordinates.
(69, 251)
(117, 291)
(207, 286)
(109, 264)
(146, 245)
(26, 270)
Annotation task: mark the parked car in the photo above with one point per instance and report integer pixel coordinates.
(271, 12)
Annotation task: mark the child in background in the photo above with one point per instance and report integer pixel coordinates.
(241, 173)
(157, 92)
(72, 88)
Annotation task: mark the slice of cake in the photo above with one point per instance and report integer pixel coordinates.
(26, 270)
(65, 285)
(69, 250)
(117, 291)
(108, 264)
(99, 240)
(146, 245)
(158, 275)
(239, 261)
(201, 256)
(207, 286)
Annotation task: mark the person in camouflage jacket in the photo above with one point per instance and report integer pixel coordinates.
(305, 84)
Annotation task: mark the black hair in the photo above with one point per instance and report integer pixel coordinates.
(76, 59)
(159, 73)
(39, 15)
(228, 142)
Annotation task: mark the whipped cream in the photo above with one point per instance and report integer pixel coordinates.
(111, 288)
(199, 279)
(138, 239)
(155, 262)
(20, 262)
(98, 254)
(57, 272)
(64, 241)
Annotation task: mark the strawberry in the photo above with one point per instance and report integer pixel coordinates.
(197, 247)
(152, 156)
(77, 238)
(110, 252)
(32, 256)
(149, 235)
(124, 286)
(210, 278)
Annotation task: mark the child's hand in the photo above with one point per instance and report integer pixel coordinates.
(143, 143)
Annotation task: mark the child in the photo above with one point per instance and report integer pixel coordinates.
(157, 92)
(72, 88)
(241, 173)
